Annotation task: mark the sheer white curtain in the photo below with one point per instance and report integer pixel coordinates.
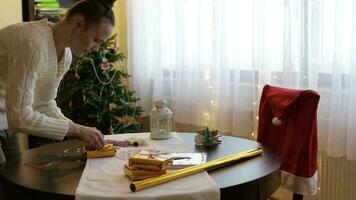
(211, 58)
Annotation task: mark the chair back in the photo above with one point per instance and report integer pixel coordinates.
(288, 125)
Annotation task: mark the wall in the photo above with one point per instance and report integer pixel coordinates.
(11, 12)
(121, 26)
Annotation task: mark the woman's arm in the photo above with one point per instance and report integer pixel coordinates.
(51, 109)
(24, 66)
(23, 70)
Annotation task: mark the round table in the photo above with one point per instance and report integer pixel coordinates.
(254, 179)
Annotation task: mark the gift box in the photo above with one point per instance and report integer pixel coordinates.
(145, 165)
(108, 151)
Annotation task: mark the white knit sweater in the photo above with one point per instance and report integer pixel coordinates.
(29, 78)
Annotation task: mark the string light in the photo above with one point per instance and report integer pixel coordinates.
(259, 86)
(274, 76)
(253, 134)
(206, 119)
(207, 75)
(254, 103)
(210, 86)
(257, 117)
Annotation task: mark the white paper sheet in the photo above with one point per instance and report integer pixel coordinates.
(104, 178)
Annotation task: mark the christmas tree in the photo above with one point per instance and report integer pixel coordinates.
(92, 92)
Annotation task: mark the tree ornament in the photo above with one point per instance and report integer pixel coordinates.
(105, 65)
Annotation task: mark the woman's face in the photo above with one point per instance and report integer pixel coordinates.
(88, 37)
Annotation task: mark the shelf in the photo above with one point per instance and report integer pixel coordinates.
(52, 12)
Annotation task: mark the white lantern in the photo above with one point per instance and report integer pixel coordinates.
(160, 120)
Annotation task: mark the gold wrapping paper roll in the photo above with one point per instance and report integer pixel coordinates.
(140, 185)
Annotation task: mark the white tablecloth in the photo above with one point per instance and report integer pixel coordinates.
(104, 178)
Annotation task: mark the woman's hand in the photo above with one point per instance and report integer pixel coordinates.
(91, 136)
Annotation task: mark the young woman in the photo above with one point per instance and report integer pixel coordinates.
(34, 56)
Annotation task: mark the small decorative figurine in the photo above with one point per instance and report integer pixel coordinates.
(161, 120)
(207, 138)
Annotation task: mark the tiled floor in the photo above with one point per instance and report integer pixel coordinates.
(282, 194)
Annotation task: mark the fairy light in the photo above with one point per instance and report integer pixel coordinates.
(259, 86)
(253, 134)
(274, 77)
(210, 86)
(207, 75)
(257, 117)
(206, 114)
(206, 118)
(253, 103)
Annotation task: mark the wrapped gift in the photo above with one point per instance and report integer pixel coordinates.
(107, 151)
(139, 174)
(149, 159)
(145, 165)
